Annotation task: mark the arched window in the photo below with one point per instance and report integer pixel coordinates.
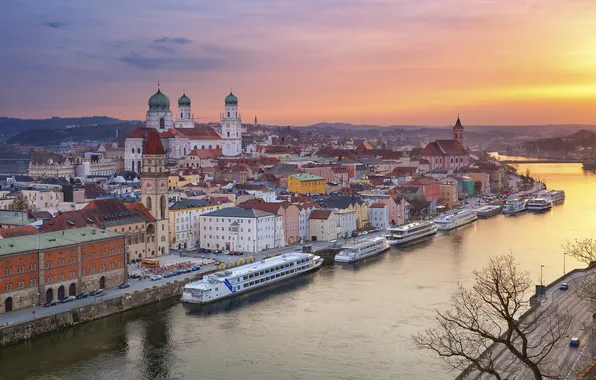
(217, 147)
(133, 166)
(184, 152)
(139, 166)
(237, 134)
(228, 113)
(451, 159)
(181, 115)
(202, 146)
(210, 147)
(228, 133)
(195, 147)
(148, 203)
(162, 123)
(133, 150)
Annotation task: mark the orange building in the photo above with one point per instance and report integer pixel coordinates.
(39, 268)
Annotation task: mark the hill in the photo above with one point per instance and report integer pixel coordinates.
(11, 126)
(54, 137)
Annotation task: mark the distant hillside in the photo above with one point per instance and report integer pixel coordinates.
(562, 145)
(11, 126)
(53, 137)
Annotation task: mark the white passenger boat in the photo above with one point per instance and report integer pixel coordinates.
(360, 250)
(243, 279)
(411, 233)
(555, 196)
(488, 211)
(539, 204)
(514, 206)
(455, 219)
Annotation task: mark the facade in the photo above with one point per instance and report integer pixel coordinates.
(449, 194)
(154, 190)
(303, 220)
(322, 225)
(290, 216)
(231, 128)
(73, 167)
(346, 222)
(378, 216)
(447, 154)
(37, 269)
(241, 229)
(430, 186)
(184, 221)
(349, 203)
(36, 199)
(398, 206)
(304, 183)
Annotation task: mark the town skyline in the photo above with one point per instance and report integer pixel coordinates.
(299, 63)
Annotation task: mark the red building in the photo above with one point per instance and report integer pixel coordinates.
(430, 187)
(447, 154)
(41, 267)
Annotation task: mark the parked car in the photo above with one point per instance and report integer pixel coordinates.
(124, 285)
(51, 303)
(99, 293)
(195, 268)
(134, 275)
(574, 342)
(83, 295)
(191, 248)
(227, 252)
(564, 286)
(186, 270)
(68, 299)
(156, 277)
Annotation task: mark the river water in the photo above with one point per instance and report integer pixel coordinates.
(337, 323)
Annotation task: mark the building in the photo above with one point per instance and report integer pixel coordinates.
(430, 186)
(305, 183)
(154, 191)
(180, 136)
(54, 265)
(36, 199)
(447, 154)
(184, 221)
(378, 216)
(346, 222)
(241, 229)
(349, 203)
(449, 193)
(303, 219)
(290, 216)
(398, 207)
(322, 225)
(73, 167)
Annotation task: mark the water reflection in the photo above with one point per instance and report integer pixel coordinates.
(157, 348)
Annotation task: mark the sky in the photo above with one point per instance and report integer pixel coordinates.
(299, 62)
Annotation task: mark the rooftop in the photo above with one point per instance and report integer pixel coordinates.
(307, 177)
(237, 212)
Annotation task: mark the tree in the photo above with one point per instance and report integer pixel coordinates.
(487, 328)
(581, 250)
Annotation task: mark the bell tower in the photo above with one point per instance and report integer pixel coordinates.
(231, 128)
(154, 194)
(458, 131)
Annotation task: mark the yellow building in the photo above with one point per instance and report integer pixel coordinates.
(306, 183)
(184, 221)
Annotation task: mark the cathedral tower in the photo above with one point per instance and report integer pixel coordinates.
(159, 115)
(231, 128)
(154, 193)
(184, 117)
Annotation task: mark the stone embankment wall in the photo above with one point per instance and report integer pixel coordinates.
(27, 330)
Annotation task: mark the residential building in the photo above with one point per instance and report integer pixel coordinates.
(241, 229)
(322, 225)
(378, 216)
(449, 194)
(54, 265)
(346, 222)
(303, 219)
(290, 216)
(305, 183)
(36, 199)
(430, 186)
(398, 211)
(349, 203)
(184, 221)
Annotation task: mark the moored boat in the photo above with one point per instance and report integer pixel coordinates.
(514, 206)
(539, 204)
(455, 219)
(555, 196)
(488, 211)
(243, 279)
(351, 253)
(411, 233)
(589, 165)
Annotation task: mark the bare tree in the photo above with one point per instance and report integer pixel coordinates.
(485, 330)
(581, 250)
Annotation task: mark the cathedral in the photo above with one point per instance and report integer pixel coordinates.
(179, 135)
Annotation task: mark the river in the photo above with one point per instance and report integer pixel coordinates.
(337, 323)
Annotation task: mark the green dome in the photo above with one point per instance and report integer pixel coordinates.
(231, 99)
(184, 100)
(159, 102)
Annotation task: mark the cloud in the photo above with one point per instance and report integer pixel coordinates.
(174, 41)
(55, 25)
(174, 63)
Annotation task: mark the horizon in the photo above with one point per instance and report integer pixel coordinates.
(381, 63)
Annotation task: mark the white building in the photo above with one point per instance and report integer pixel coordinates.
(303, 217)
(378, 216)
(38, 199)
(185, 223)
(322, 225)
(180, 136)
(346, 222)
(241, 229)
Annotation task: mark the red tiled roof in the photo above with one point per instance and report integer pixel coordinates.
(138, 133)
(320, 214)
(443, 147)
(377, 205)
(263, 206)
(18, 231)
(204, 133)
(206, 153)
(153, 143)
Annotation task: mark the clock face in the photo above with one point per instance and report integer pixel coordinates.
(147, 185)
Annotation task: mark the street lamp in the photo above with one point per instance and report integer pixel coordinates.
(564, 254)
(541, 266)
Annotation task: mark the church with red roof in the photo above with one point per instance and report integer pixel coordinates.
(447, 154)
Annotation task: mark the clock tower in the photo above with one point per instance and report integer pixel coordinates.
(154, 193)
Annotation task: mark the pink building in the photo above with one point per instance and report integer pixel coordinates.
(331, 173)
(447, 154)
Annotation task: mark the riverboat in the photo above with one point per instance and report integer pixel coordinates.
(246, 278)
(455, 219)
(351, 253)
(555, 196)
(514, 206)
(411, 233)
(589, 165)
(539, 204)
(488, 211)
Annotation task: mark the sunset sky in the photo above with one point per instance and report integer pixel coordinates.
(299, 62)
